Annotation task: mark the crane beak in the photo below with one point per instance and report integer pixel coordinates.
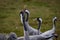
(34, 19)
(56, 19)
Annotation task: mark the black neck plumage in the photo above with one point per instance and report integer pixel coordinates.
(54, 23)
(24, 22)
(39, 24)
(27, 17)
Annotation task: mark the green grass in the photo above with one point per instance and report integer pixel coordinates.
(9, 15)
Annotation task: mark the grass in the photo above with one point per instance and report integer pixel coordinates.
(10, 20)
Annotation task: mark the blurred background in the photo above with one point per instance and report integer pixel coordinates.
(46, 9)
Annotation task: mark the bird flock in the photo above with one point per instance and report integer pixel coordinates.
(31, 33)
(35, 34)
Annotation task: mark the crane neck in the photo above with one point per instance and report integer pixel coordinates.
(27, 17)
(21, 18)
(27, 13)
(24, 24)
(22, 14)
(39, 24)
(26, 35)
(54, 24)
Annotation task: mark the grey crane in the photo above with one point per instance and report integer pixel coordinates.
(34, 37)
(52, 31)
(30, 29)
(12, 36)
(3, 36)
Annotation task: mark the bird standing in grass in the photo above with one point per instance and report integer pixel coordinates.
(30, 29)
(34, 37)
